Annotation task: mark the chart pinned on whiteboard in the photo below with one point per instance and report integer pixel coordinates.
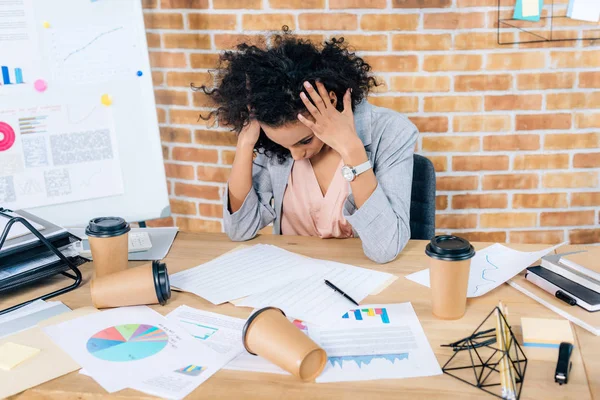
(93, 54)
(45, 160)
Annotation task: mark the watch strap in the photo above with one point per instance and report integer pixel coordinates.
(359, 169)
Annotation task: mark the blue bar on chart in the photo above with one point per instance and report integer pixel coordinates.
(5, 75)
(19, 75)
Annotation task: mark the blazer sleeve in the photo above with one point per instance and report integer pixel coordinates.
(256, 211)
(382, 223)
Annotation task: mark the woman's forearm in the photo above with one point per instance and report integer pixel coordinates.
(365, 184)
(240, 181)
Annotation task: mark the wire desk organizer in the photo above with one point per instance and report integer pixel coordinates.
(535, 31)
(75, 275)
(481, 367)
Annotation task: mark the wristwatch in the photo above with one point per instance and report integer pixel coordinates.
(350, 173)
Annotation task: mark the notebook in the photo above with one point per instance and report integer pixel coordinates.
(587, 320)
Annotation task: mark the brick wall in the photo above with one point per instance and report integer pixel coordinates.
(513, 131)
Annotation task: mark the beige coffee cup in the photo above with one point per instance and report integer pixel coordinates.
(147, 284)
(109, 242)
(449, 267)
(269, 334)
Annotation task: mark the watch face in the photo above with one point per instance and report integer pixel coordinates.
(347, 173)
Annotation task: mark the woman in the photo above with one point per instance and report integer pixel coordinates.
(313, 157)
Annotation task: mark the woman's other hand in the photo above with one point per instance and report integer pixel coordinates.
(249, 134)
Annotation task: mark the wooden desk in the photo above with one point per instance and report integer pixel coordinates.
(190, 250)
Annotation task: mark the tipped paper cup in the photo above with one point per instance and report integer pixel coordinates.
(148, 284)
(269, 334)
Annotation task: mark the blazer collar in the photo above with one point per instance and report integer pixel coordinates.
(362, 121)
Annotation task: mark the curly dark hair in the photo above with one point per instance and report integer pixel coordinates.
(265, 83)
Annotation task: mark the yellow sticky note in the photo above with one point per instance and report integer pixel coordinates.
(530, 8)
(546, 333)
(106, 99)
(13, 354)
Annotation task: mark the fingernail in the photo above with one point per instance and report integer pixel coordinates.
(350, 90)
(302, 95)
(306, 84)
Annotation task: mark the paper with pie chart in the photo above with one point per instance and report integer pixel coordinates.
(136, 346)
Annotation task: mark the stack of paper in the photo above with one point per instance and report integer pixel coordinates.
(311, 300)
(242, 273)
(29, 316)
(265, 275)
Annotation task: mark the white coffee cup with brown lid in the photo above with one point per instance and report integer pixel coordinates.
(449, 267)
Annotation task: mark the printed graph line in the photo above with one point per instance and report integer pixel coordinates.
(363, 361)
(81, 119)
(92, 41)
(211, 330)
(487, 258)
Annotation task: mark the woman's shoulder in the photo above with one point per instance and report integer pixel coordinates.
(382, 117)
(389, 127)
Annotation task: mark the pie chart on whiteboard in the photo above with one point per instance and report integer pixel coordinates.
(7, 136)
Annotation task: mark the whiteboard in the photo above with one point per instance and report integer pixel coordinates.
(79, 134)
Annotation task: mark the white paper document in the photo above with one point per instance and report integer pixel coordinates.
(384, 341)
(491, 267)
(311, 300)
(251, 363)
(244, 272)
(219, 332)
(139, 348)
(584, 10)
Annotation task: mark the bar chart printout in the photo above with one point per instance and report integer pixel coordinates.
(7, 76)
(361, 314)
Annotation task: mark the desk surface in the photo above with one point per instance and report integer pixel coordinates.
(190, 250)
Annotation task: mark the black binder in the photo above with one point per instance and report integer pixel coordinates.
(35, 256)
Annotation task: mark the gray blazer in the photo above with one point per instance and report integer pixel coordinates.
(382, 222)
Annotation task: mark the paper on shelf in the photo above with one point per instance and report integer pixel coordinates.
(491, 267)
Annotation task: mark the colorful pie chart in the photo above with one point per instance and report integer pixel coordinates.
(7, 136)
(128, 342)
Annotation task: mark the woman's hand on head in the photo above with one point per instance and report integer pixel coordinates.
(336, 129)
(249, 134)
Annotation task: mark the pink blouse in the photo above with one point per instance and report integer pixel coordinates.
(307, 212)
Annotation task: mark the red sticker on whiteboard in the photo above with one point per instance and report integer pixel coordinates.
(7, 136)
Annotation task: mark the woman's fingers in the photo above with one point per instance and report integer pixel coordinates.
(316, 98)
(347, 102)
(310, 106)
(307, 122)
(323, 94)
